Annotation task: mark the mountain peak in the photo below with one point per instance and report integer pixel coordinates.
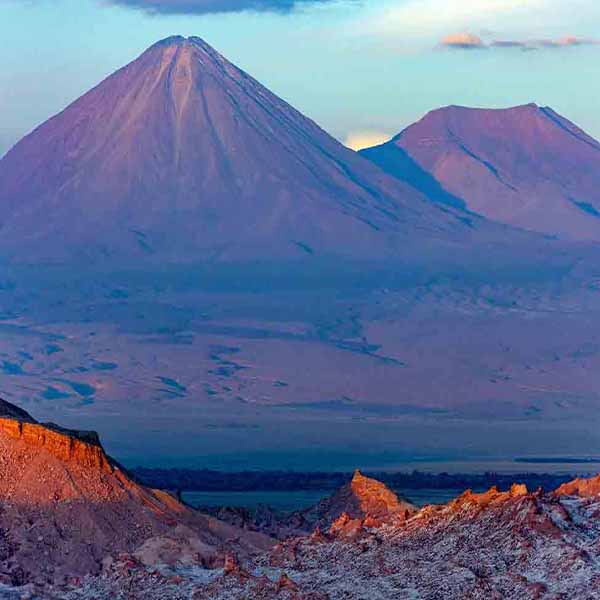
(530, 106)
(360, 498)
(525, 166)
(369, 497)
(460, 112)
(179, 41)
(358, 476)
(172, 40)
(180, 156)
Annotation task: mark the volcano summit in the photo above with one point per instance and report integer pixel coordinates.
(181, 156)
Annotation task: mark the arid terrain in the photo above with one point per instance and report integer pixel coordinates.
(224, 376)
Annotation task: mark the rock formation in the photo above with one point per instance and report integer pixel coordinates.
(66, 507)
(362, 498)
(496, 544)
(362, 501)
(584, 488)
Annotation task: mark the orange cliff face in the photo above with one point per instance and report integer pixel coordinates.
(66, 507)
(63, 444)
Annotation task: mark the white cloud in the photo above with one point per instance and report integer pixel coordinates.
(357, 140)
(434, 16)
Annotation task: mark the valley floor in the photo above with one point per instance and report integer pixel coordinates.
(281, 380)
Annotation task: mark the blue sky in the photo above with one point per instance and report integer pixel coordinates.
(363, 69)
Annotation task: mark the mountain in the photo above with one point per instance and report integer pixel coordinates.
(66, 508)
(526, 166)
(182, 157)
(231, 277)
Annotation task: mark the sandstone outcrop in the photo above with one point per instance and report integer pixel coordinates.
(65, 507)
(361, 498)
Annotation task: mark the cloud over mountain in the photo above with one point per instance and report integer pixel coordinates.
(357, 140)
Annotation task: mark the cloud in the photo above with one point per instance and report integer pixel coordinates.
(526, 24)
(567, 42)
(357, 140)
(463, 41)
(507, 44)
(202, 7)
(468, 41)
(435, 17)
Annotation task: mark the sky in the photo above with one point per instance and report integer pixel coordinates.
(363, 69)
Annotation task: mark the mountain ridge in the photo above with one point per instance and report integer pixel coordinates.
(526, 166)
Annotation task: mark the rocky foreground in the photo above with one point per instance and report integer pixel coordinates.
(75, 525)
(66, 508)
(495, 545)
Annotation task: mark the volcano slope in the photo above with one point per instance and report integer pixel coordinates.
(513, 544)
(66, 508)
(527, 166)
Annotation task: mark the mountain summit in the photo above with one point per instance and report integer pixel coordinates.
(525, 166)
(181, 156)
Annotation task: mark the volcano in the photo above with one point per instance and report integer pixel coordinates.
(181, 156)
(525, 166)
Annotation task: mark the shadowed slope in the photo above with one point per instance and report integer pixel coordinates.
(525, 166)
(397, 161)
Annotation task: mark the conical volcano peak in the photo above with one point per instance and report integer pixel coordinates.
(181, 156)
(178, 45)
(177, 50)
(172, 40)
(179, 40)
